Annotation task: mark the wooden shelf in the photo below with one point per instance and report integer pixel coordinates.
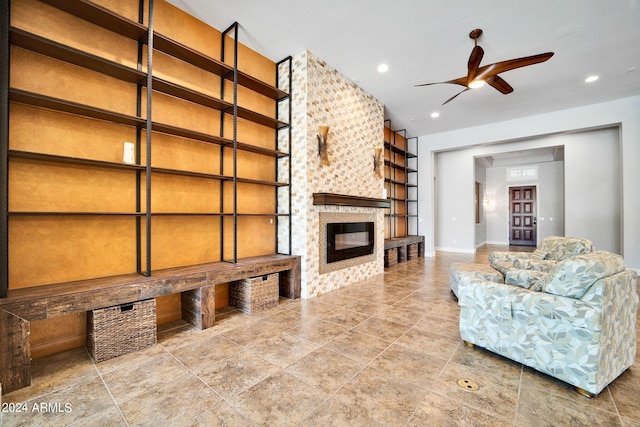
(261, 214)
(191, 174)
(74, 56)
(44, 101)
(261, 150)
(186, 54)
(181, 92)
(111, 21)
(399, 150)
(190, 134)
(74, 213)
(72, 160)
(395, 181)
(101, 16)
(256, 85)
(186, 214)
(261, 182)
(347, 200)
(261, 119)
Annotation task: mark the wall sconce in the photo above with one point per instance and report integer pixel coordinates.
(377, 163)
(323, 131)
(488, 203)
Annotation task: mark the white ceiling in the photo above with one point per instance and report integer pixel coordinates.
(428, 40)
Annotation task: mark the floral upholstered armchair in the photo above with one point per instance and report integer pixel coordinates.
(576, 322)
(550, 250)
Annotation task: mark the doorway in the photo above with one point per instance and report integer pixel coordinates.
(522, 216)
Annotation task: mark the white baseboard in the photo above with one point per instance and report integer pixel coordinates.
(497, 243)
(458, 250)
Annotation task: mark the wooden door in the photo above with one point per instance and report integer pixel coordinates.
(522, 224)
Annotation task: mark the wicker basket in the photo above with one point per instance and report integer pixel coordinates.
(255, 294)
(121, 329)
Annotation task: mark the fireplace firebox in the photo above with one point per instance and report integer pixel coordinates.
(347, 240)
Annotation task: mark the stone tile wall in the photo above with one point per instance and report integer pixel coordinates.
(321, 96)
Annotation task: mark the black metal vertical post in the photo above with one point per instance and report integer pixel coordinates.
(277, 165)
(138, 147)
(290, 131)
(404, 178)
(417, 192)
(289, 97)
(4, 148)
(417, 218)
(234, 27)
(149, 131)
(222, 148)
(235, 142)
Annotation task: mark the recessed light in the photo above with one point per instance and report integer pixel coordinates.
(383, 68)
(435, 115)
(591, 79)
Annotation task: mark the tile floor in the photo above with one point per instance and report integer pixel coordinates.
(385, 351)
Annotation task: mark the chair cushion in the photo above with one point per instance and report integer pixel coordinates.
(574, 276)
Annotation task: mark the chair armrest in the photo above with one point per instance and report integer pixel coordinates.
(503, 301)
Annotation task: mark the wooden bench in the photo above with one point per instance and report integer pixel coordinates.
(397, 249)
(195, 283)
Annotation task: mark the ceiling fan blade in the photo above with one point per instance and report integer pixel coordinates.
(474, 62)
(462, 81)
(454, 96)
(499, 83)
(500, 67)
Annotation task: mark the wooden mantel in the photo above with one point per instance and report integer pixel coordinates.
(345, 200)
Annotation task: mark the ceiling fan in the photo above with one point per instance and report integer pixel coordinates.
(477, 76)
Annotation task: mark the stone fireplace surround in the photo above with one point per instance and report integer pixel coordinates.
(321, 96)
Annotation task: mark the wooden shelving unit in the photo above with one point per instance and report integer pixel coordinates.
(401, 184)
(144, 170)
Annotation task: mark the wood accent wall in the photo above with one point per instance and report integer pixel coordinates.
(47, 249)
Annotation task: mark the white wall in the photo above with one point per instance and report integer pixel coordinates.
(622, 112)
(481, 228)
(550, 202)
(593, 181)
(454, 201)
